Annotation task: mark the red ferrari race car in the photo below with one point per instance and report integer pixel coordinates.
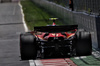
(54, 41)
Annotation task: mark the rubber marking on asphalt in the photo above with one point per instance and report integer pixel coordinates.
(14, 10)
(23, 20)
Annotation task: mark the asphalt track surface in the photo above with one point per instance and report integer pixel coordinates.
(10, 27)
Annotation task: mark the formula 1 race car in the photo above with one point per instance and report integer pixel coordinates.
(54, 41)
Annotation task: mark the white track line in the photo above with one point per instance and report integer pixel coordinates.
(38, 63)
(80, 57)
(23, 20)
(31, 62)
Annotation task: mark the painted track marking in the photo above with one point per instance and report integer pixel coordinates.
(58, 62)
(32, 63)
(80, 57)
(23, 20)
(38, 63)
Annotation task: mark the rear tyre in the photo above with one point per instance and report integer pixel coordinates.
(83, 44)
(27, 46)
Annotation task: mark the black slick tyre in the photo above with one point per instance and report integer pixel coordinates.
(83, 44)
(27, 46)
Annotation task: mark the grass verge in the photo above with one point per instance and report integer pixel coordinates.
(36, 16)
(88, 61)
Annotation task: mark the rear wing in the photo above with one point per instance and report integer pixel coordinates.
(56, 29)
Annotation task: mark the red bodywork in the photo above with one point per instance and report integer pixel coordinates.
(66, 34)
(55, 35)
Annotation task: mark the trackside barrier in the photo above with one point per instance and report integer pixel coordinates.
(84, 20)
